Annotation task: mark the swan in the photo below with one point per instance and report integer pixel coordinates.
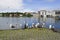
(11, 26)
(51, 27)
(33, 25)
(37, 25)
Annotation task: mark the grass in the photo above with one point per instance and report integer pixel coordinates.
(29, 34)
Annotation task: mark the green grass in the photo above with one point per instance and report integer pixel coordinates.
(29, 34)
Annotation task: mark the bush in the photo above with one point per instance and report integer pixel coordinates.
(29, 15)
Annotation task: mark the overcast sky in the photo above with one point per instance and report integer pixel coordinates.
(28, 5)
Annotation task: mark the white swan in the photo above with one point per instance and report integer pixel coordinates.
(51, 27)
(37, 25)
(43, 24)
(26, 24)
(11, 26)
(33, 25)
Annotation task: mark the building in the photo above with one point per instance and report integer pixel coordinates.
(57, 12)
(34, 14)
(45, 13)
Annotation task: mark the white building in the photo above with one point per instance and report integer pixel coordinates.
(45, 13)
(51, 13)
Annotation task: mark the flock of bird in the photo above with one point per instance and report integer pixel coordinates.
(37, 25)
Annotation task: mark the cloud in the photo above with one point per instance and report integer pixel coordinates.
(28, 10)
(11, 4)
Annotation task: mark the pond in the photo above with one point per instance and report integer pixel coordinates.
(6, 21)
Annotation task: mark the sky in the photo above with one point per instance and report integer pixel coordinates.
(28, 5)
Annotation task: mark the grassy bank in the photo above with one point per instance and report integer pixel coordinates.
(29, 34)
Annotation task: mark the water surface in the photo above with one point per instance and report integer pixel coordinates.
(6, 21)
